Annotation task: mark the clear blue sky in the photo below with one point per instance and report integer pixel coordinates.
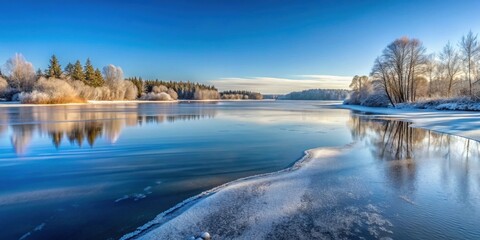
(222, 40)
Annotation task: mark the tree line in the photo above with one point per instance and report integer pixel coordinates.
(238, 95)
(317, 94)
(152, 89)
(79, 83)
(405, 72)
(75, 83)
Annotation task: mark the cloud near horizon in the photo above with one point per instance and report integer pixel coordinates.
(273, 85)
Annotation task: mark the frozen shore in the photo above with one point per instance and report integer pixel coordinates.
(289, 204)
(460, 123)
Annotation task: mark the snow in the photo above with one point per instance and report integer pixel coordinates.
(460, 104)
(297, 202)
(18, 104)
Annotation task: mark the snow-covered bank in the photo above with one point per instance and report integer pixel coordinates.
(288, 204)
(460, 123)
(457, 104)
(90, 102)
(19, 104)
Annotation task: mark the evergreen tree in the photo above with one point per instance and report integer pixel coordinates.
(98, 79)
(69, 69)
(54, 69)
(89, 73)
(77, 72)
(39, 73)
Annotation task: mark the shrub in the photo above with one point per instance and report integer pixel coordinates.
(51, 91)
(156, 96)
(3, 87)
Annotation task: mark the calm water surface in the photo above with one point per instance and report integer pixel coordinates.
(100, 171)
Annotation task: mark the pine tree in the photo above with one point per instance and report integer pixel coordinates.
(39, 73)
(98, 79)
(89, 73)
(77, 72)
(54, 69)
(69, 69)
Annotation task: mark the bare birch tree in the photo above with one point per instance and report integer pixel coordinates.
(470, 50)
(450, 66)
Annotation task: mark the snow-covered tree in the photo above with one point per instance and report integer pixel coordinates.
(20, 73)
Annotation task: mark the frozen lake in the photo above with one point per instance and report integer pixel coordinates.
(101, 171)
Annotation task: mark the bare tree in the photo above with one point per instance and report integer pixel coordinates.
(399, 67)
(20, 73)
(360, 89)
(450, 65)
(470, 50)
(430, 71)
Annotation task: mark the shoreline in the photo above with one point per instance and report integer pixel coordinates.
(98, 102)
(464, 124)
(435, 120)
(183, 206)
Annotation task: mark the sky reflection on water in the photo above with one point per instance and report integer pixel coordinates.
(111, 168)
(100, 171)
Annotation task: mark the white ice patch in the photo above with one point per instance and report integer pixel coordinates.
(296, 202)
(39, 227)
(122, 198)
(136, 196)
(36, 229)
(24, 236)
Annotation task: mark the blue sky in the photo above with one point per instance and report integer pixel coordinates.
(291, 45)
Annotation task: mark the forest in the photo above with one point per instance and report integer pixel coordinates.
(171, 90)
(78, 83)
(238, 95)
(405, 75)
(317, 94)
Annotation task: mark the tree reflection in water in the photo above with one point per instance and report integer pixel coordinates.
(405, 150)
(87, 123)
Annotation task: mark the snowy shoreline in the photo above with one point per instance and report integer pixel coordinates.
(94, 102)
(256, 207)
(459, 123)
(194, 215)
(183, 206)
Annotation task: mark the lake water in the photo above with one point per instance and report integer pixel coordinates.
(100, 171)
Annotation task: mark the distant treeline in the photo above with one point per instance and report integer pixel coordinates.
(183, 90)
(241, 95)
(317, 94)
